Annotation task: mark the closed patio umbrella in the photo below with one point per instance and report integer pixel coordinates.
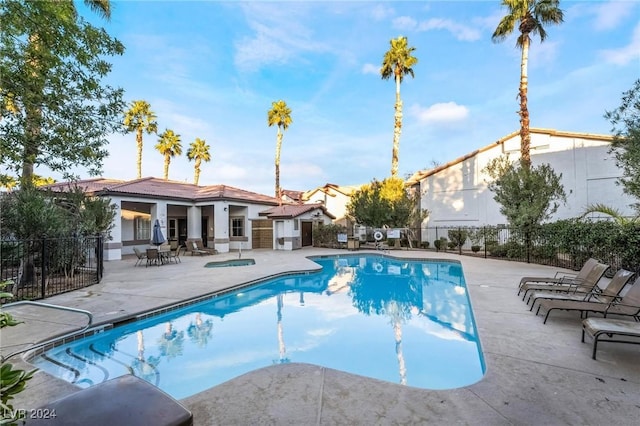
(157, 238)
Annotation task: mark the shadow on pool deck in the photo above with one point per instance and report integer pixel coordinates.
(536, 374)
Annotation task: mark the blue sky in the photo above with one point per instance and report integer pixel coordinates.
(211, 70)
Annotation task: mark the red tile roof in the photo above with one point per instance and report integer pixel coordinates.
(151, 187)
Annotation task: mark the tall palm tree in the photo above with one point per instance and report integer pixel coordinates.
(168, 145)
(397, 62)
(139, 118)
(531, 16)
(198, 151)
(33, 111)
(279, 115)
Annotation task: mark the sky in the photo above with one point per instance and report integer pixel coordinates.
(211, 70)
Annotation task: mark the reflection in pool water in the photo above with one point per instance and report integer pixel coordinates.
(406, 322)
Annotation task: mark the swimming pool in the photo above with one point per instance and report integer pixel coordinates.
(403, 321)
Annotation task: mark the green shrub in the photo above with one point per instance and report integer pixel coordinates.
(457, 237)
(440, 244)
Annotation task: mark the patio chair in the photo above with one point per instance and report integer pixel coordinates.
(598, 328)
(542, 283)
(153, 257)
(195, 250)
(588, 285)
(597, 294)
(175, 254)
(141, 257)
(626, 305)
(203, 248)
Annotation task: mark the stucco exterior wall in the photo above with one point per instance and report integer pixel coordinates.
(458, 195)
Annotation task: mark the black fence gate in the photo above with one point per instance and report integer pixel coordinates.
(36, 269)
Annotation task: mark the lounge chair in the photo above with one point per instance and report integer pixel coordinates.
(626, 305)
(539, 283)
(141, 257)
(195, 250)
(597, 328)
(606, 295)
(560, 277)
(125, 400)
(203, 248)
(578, 290)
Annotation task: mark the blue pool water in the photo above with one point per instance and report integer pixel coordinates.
(407, 322)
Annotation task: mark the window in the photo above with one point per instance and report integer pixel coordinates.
(142, 225)
(296, 224)
(237, 227)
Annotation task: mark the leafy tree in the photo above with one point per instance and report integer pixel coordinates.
(54, 109)
(626, 140)
(527, 195)
(531, 17)
(397, 62)
(168, 145)
(279, 115)
(385, 203)
(30, 214)
(140, 118)
(198, 151)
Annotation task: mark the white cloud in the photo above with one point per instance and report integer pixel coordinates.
(626, 54)
(279, 34)
(459, 31)
(380, 12)
(405, 23)
(610, 14)
(370, 69)
(447, 112)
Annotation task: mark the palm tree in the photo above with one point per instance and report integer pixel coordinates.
(199, 151)
(168, 145)
(612, 212)
(33, 111)
(397, 62)
(279, 115)
(531, 15)
(139, 118)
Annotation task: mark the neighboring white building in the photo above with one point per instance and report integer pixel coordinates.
(456, 193)
(334, 198)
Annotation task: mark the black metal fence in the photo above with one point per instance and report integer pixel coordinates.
(542, 245)
(536, 245)
(45, 267)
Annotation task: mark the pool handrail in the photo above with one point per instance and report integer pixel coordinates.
(46, 342)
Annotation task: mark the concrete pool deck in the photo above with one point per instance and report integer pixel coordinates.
(536, 374)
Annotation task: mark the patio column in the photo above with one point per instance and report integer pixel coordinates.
(112, 249)
(221, 227)
(194, 224)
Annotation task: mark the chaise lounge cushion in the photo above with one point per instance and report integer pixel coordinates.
(123, 401)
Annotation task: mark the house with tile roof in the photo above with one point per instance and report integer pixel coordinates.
(221, 216)
(456, 193)
(293, 224)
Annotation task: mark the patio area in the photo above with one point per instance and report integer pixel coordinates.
(536, 374)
